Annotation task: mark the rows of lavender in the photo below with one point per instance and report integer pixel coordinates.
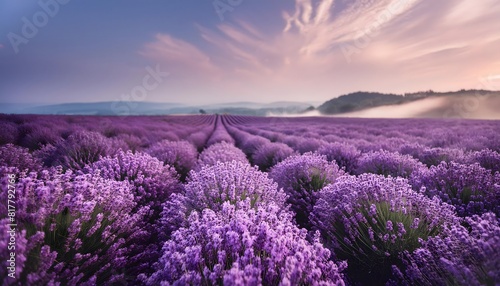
(233, 200)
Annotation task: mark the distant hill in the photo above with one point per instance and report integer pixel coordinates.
(365, 100)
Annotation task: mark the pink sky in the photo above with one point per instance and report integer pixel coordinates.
(323, 51)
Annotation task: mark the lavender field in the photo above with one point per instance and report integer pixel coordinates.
(236, 200)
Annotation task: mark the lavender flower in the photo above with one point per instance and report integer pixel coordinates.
(220, 152)
(301, 177)
(388, 164)
(270, 154)
(81, 149)
(224, 182)
(72, 228)
(459, 256)
(345, 155)
(244, 245)
(152, 182)
(470, 188)
(181, 155)
(370, 220)
(14, 156)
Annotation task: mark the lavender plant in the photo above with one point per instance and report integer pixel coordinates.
(244, 245)
(388, 164)
(371, 220)
(270, 154)
(21, 158)
(301, 177)
(220, 152)
(181, 155)
(72, 228)
(470, 188)
(80, 149)
(345, 155)
(460, 256)
(214, 185)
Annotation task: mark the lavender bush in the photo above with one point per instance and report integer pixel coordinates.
(470, 188)
(301, 177)
(345, 155)
(270, 154)
(388, 164)
(181, 155)
(21, 158)
(224, 182)
(79, 150)
(220, 152)
(244, 245)
(460, 256)
(371, 220)
(72, 228)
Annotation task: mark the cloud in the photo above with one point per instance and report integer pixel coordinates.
(329, 47)
(1, 46)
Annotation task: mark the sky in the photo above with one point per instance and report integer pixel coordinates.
(206, 51)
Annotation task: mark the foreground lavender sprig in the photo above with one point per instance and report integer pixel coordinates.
(152, 183)
(470, 188)
(370, 220)
(301, 177)
(458, 257)
(243, 245)
(72, 228)
(214, 185)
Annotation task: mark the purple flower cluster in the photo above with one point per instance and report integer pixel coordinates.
(152, 182)
(270, 154)
(345, 155)
(220, 152)
(80, 149)
(181, 155)
(470, 188)
(460, 256)
(301, 177)
(487, 158)
(209, 188)
(21, 158)
(244, 245)
(388, 164)
(371, 220)
(71, 229)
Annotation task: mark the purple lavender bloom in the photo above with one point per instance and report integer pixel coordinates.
(487, 158)
(270, 154)
(21, 158)
(458, 256)
(301, 177)
(246, 245)
(81, 149)
(470, 188)
(220, 152)
(368, 221)
(72, 229)
(224, 182)
(345, 155)
(152, 181)
(181, 155)
(388, 164)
